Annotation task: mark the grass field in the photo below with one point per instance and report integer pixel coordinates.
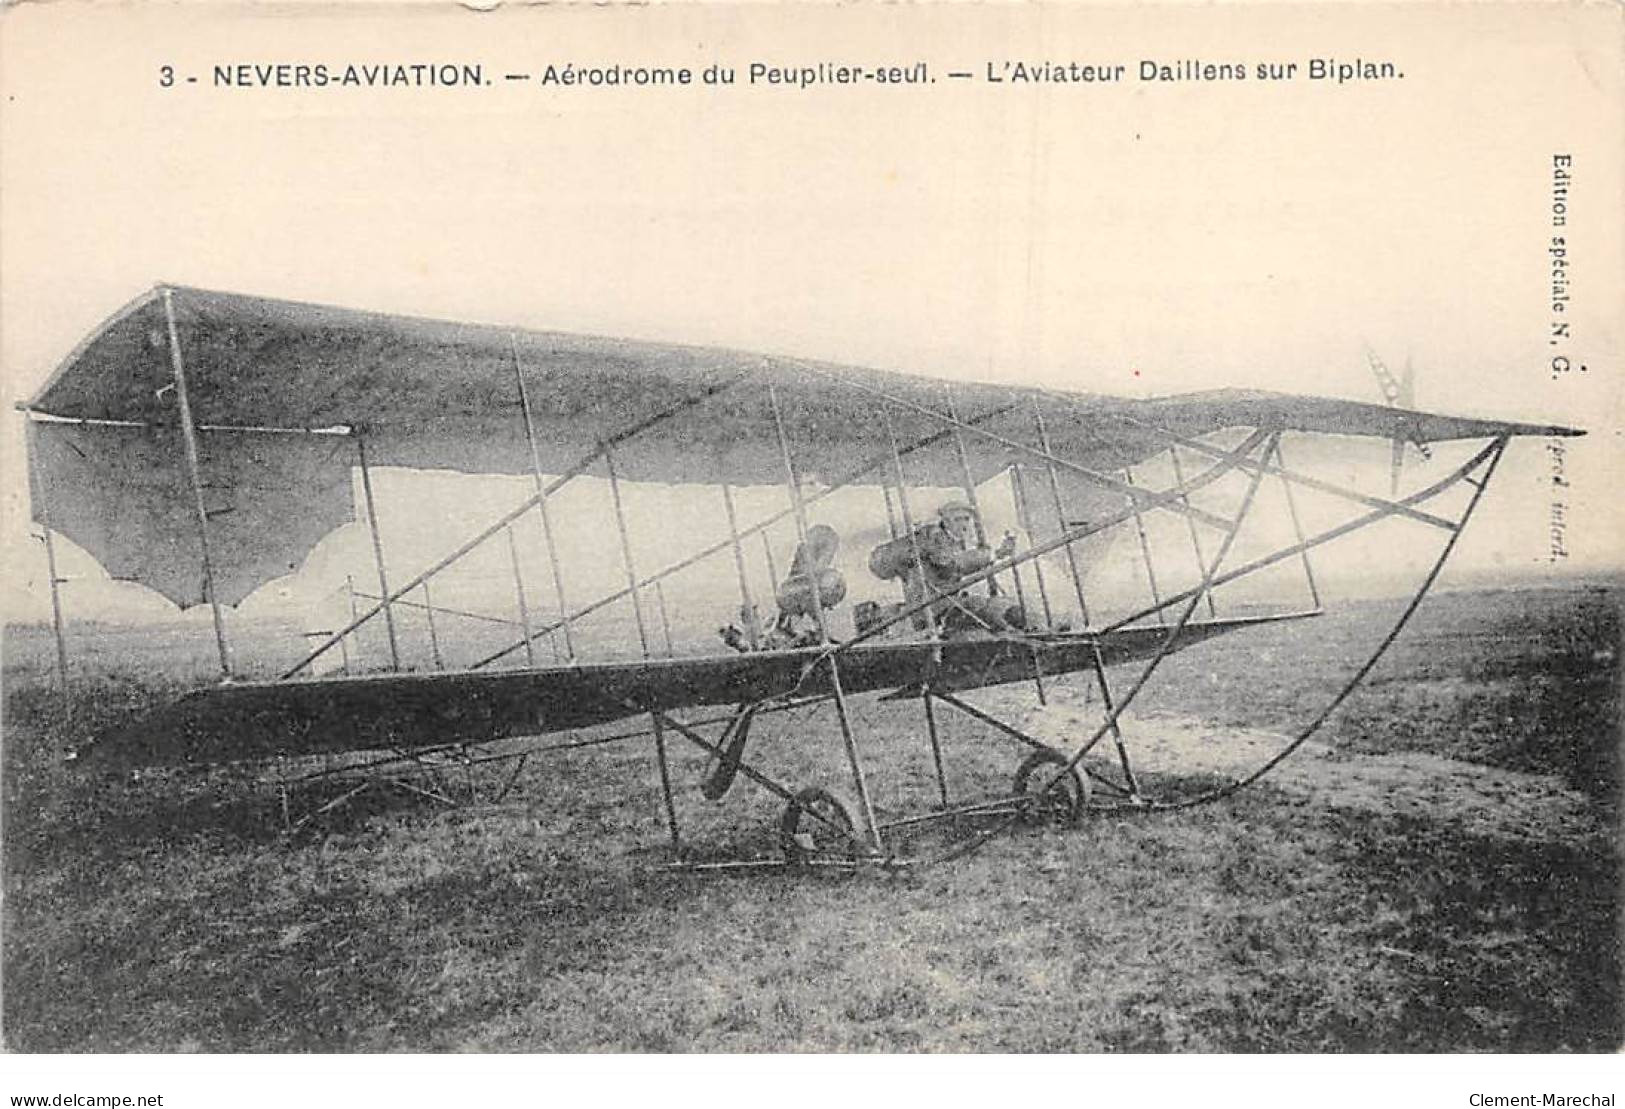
(1324, 910)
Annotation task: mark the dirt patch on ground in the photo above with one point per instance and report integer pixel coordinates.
(1478, 799)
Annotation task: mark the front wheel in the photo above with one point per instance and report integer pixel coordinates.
(1049, 790)
(816, 826)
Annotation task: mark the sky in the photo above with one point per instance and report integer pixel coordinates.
(1138, 238)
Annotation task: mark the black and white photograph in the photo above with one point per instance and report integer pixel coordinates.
(706, 529)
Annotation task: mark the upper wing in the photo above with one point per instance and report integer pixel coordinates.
(436, 395)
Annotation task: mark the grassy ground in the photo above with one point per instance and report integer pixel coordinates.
(1525, 679)
(170, 914)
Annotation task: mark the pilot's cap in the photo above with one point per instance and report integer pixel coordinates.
(951, 508)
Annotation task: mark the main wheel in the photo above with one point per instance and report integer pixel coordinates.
(1051, 792)
(816, 826)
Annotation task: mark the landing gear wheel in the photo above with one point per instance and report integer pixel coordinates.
(1050, 792)
(816, 826)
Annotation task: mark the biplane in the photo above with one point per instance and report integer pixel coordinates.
(202, 443)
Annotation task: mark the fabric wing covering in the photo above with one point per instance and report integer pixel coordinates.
(124, 496)
(430, 394)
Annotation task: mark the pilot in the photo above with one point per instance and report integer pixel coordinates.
(949, 551)
(812, 585)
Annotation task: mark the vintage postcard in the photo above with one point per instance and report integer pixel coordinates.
(688, 529)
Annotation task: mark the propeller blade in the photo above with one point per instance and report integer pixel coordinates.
(1399, 393)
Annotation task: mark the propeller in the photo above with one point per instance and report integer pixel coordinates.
(1400, 393)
